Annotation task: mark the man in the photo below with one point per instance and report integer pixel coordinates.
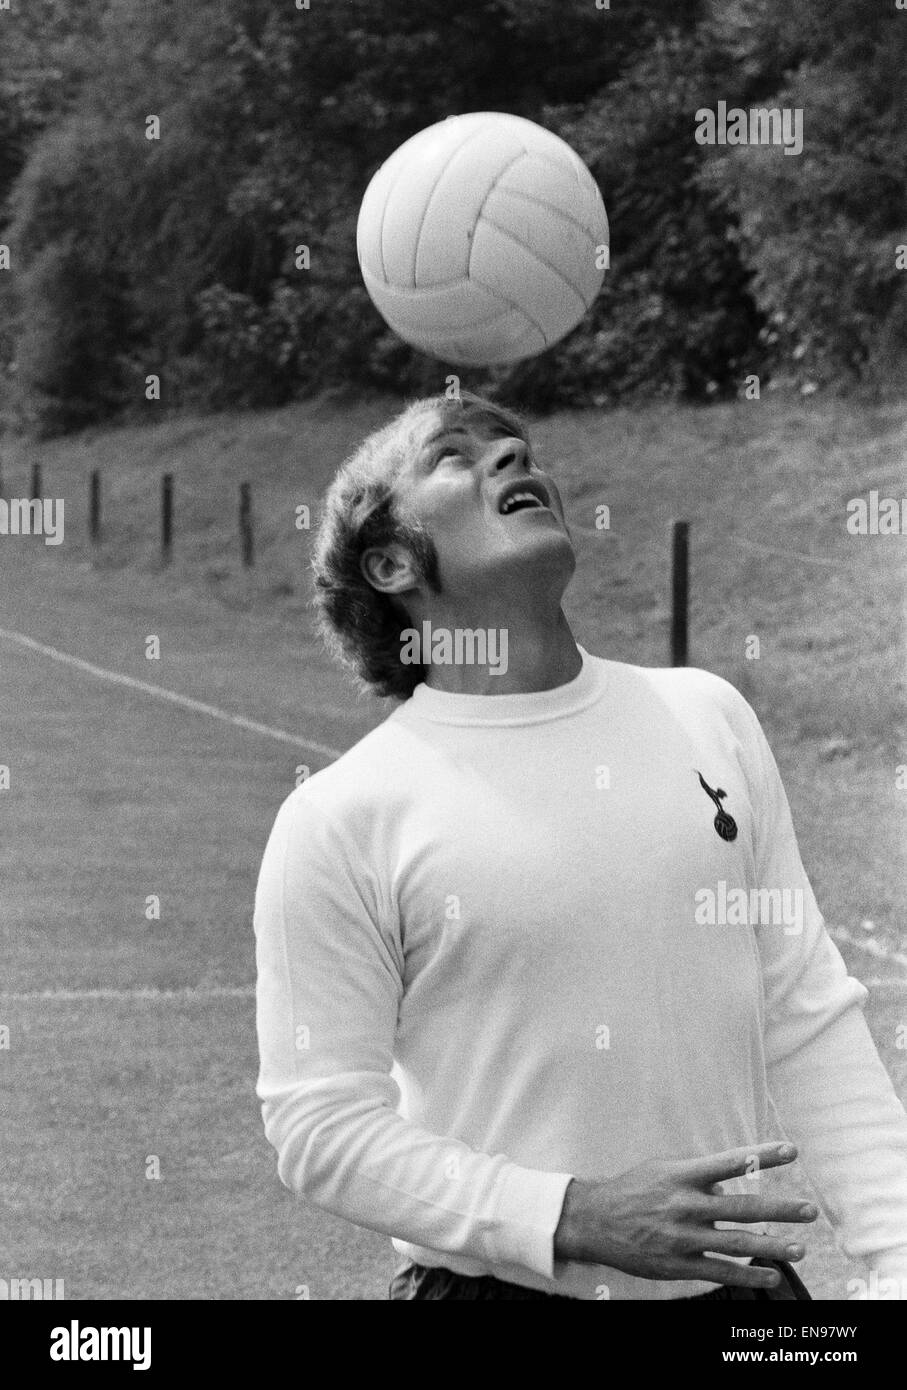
(506, 1012)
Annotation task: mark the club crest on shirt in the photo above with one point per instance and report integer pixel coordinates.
(725, 825)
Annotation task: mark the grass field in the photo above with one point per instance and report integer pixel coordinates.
(117, 794)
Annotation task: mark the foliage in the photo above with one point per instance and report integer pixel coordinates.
(179, 256)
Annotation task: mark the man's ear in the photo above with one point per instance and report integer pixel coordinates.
(389, 568)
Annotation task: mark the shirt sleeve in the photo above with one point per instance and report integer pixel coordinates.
(829, 1087)
(329, 984)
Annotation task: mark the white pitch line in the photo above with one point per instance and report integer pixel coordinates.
(202, 996)
(158, 692)
(191, 993)
(202, 993)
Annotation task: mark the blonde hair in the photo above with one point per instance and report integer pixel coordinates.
(359, 625)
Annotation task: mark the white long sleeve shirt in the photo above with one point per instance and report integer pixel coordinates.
(502, 942)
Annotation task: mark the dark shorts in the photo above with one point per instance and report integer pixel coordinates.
(414, 1281)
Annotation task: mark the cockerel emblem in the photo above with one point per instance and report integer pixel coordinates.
(725, 825)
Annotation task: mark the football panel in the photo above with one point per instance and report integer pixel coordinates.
(556, 240)
(511, 268)
(371, 212)
(537, 138)
(416, 163)
(557, 189)
(445, 237)
(598, 216)
(368, 223)
(508, 338)
(545, 145)
(452, 155)
(447, 309)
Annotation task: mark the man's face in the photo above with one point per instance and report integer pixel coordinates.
(496, 520)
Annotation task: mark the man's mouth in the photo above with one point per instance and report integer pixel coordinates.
(518, 497)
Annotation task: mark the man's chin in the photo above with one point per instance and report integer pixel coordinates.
(551, 554)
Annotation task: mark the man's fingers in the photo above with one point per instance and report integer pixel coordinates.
(739, 1276)
(755, 1246)
(735, 1163)
(729, 1207)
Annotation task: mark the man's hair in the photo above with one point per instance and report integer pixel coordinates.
(360, 626)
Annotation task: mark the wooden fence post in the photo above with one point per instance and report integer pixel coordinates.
(680, 591)
(94, 506)
(245, 524)
(166, 517)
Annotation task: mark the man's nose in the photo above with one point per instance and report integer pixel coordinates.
(505, 453)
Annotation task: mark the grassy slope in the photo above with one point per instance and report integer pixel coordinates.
(771, 473)
(115, 797)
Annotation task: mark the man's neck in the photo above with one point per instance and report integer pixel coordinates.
(540, 656)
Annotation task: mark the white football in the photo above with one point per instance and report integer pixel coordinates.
(483, 239)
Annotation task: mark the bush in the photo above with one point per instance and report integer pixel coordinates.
(677, 314)
(177, 256)
(821, 229)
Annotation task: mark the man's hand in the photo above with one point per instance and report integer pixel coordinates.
(656, 1220)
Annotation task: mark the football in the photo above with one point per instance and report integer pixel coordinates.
(483, 239)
